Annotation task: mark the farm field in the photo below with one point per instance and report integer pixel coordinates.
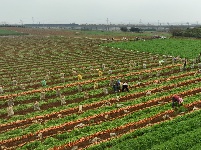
(86, 113)
(123, 34)
(190, 48)
(5, 32)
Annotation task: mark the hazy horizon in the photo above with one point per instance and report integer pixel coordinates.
(97, 12)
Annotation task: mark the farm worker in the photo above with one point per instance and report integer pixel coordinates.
(40, 135)
(95, 140)
(58, 92)
(118, 83)
(79, 88)
(176, 59)
(10, 111)
(14, 82)
(199, 57)
(121, 86)
(173, 60)
(130, 64)
(185, 63)
(158, 73)
(148, 93)
(43, 82)
(100, 73)
(125, 86)
(86, 95)
(107, 104)
(36, 106)
(63, 77)
(74, 72)
(176, 101)
(111, 82)
(10, 102)
(114, 86)
(42, 95)
(63, 101)
(103, 67)
(144, 65)
(140, 77)
(160, 62)
(48, 72)
(181, 68)
(79, 77)
(130, 68)
(138, 83)
(197, 73)
(22, 86)
(1, 89)
(192, 65)
(156, 81)
(91, 69)
(105, 90)
(135, 64)
(199, 65)
(117, 97)
(109, 71)
(95, 85)
(47, 77)
(80, 108)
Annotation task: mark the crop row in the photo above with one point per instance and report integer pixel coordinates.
(95, 105)
(156, 134)
(106, 134)
(55, 128)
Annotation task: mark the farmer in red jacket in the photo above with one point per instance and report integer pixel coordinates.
(176, 101)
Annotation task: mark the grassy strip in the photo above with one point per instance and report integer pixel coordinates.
(182, 141)
(4, 32)
(196, 146)
(119, 33)
(175, 47)
(145, 138)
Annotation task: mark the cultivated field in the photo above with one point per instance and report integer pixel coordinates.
(5, 32)
(93, 115)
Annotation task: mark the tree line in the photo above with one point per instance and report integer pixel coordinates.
(189, 32)
(135, 29)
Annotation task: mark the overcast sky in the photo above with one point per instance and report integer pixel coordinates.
(97, 11)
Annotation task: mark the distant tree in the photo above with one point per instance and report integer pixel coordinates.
(189, 32)
(176, 32)
(124, 29)
(149, 29)
(134, 29)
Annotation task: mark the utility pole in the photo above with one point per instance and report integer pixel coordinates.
(33, 19)
(187, 24)
(158, 24)
(107, 24)
(21, 22)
